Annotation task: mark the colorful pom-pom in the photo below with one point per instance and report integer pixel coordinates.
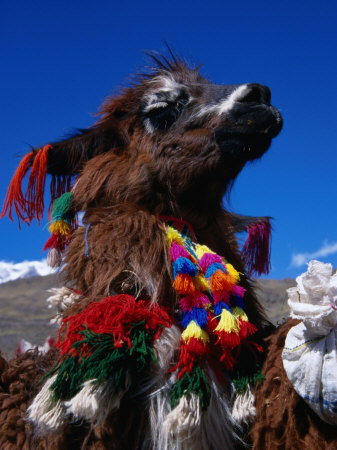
(183, 265)
(183, 284)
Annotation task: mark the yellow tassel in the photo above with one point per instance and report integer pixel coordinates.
(238, 312)
(228, 322)
(194, 331)
(200, 283)
(235, 274)
(60, 227)
(174, 235)
(201, 249)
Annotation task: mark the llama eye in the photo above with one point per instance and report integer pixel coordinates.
(162, 114)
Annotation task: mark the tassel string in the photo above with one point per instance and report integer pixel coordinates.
(29, 205)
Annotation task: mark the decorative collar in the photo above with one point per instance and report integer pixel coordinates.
(184, 228)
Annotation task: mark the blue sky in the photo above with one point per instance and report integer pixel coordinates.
(61, 59)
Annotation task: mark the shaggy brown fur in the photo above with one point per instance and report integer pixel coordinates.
(160, 148)
(284, 420)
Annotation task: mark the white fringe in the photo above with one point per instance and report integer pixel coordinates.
(184, 420)
(45, 412)
(211, 429)
(95, 401)
(243, 410)
(61, 299)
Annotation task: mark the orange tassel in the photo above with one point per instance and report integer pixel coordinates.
(221, 282)
(184, 284)
(31, 204)
(14, 195)
(36, 185)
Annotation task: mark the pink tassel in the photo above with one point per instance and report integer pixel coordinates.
(256, 250)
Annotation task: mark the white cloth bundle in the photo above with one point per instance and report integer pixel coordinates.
(310, 353)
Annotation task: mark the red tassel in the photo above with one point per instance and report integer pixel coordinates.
(230, 340)
(227, 359)
(57, 241)
(14, 195)
(36, 185)
(190, 351)
(256, 250)
(30, 205)
(246, 329)
(58, 186)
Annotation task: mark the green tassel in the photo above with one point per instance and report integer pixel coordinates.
(194, 381)
(241, 382)
(62, 208)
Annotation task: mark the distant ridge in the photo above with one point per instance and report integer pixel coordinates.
(13, 271)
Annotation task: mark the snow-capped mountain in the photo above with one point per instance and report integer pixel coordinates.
(12, 271)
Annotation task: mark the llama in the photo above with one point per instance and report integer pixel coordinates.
(153, 298)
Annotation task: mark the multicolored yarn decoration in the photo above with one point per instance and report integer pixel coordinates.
(107, 347)
(63, 223)
(212, 313)
(30, 205)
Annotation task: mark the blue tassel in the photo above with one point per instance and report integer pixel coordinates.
(184, 266)
(199, 315)
(237, 300)
(213, 268)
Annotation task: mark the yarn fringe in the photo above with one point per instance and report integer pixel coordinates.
(61, 299)
(184, 420)
(243, 410)
(45, 411)
(257, 248)
(30, 205)
(95, 401)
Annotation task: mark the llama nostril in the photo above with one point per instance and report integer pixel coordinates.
(256, 93)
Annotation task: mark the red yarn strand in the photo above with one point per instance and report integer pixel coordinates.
(14, 195)
(256, 249)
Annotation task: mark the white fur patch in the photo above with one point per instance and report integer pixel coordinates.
(163, 84)
(224, 106)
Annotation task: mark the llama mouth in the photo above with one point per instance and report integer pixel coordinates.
(253, 130)
(242, 147)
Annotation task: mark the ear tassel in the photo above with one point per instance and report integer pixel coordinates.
(14, 195)
(30, 205)
(36, 185)
(256, 250)
(62, 225)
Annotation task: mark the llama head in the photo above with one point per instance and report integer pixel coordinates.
(171, 141)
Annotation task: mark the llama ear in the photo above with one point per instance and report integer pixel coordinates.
(67, 157)
(63, 160)
(256, 249)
